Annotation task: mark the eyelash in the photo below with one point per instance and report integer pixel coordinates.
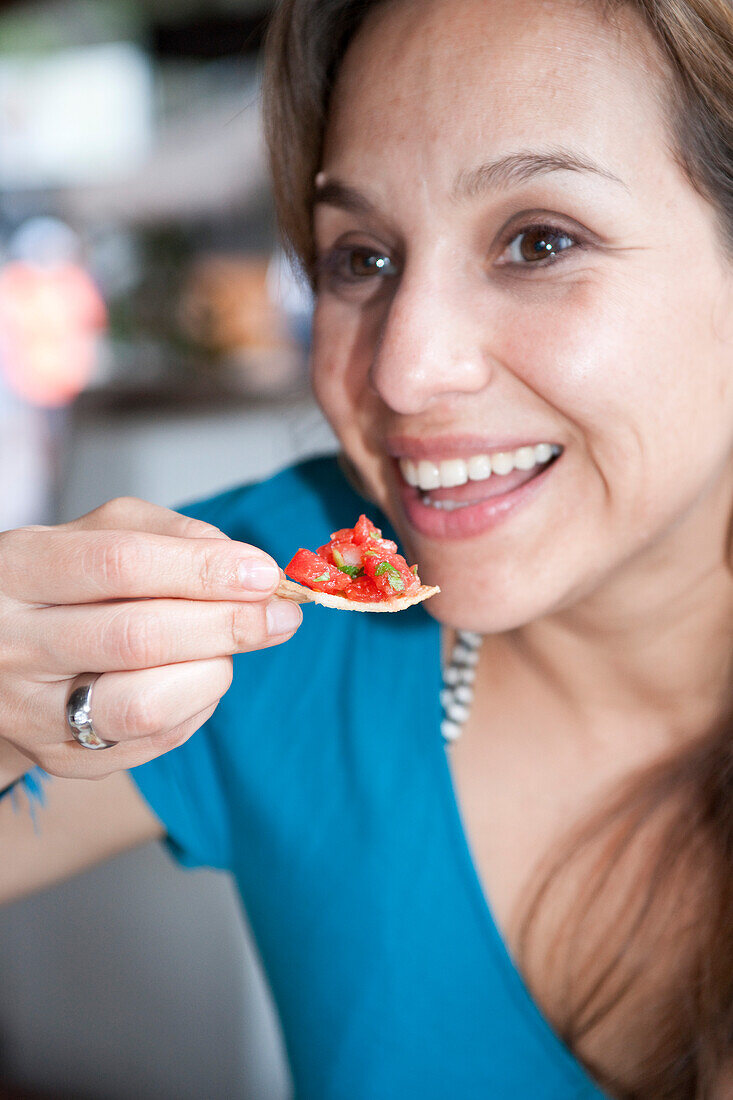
(546, 229)
(332, 265)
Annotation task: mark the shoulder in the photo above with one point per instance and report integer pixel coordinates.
(297, 507)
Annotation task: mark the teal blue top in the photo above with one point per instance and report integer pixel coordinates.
(321, 783)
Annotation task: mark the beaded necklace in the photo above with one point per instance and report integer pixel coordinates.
(458, 677)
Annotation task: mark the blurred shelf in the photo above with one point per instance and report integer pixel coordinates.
(175, 447)
(196, 397)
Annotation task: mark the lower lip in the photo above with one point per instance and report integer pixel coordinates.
(472, 519)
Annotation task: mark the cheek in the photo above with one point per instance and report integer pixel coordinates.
(638, 373)
(327, 363)
(578, 351)
(339, 363)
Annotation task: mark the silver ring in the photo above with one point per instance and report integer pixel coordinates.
(78, 713)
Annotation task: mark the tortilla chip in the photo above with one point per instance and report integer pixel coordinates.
(291, 590)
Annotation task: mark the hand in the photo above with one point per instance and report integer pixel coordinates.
(155, 601)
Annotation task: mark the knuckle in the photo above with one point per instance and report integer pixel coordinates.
(116, 561)
(170, 739)
(132, 639)
(244, 629)
(119, 507)
(209, 571)
(138, 717)
(199, 529)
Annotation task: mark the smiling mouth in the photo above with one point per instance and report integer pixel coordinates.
(453, 483)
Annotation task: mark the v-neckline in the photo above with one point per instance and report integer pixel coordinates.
(513, 980)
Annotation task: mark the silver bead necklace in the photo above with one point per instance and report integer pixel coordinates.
(458, 677)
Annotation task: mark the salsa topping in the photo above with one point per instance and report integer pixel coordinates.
(356, 563)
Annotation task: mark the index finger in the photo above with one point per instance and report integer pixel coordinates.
(61, 566)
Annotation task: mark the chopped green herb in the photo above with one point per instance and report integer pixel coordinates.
(320, 580)
(352, 570)
(414, 569)
(371, 554)
(395, 580)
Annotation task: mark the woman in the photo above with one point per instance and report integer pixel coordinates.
(518, 219)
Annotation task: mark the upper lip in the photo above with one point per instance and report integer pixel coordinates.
(457, 446)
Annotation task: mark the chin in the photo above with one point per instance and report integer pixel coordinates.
(470, 606)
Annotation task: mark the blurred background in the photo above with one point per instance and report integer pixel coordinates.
(153, 341)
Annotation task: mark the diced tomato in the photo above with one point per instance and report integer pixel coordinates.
(357, 563)
(345, 553)
(366, 534)
(362, 532)
(311, 570)
(344, 534)
(364, 529)
(390, 573)
(364, 590)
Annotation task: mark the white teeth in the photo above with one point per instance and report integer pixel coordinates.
(428, 475)
(409, 471)
(503, 463)
(451, 472)
(479, 467)
(445, 505)
(524, 458)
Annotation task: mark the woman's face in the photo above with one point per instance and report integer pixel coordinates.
(512, 267)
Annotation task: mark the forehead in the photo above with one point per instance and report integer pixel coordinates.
(439, 80)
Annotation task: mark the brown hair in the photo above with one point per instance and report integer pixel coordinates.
(649, 935)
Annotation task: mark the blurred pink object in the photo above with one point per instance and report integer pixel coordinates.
(50, 320)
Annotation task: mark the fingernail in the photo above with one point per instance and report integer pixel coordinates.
(258, 575)
(283, 616)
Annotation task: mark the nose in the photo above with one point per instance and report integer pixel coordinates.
(431, 344)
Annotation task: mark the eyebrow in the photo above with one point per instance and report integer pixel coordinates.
(515, 168)
(333, 193)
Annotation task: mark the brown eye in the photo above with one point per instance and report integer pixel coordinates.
(362, 263)
(539, 242)
(354, 266)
